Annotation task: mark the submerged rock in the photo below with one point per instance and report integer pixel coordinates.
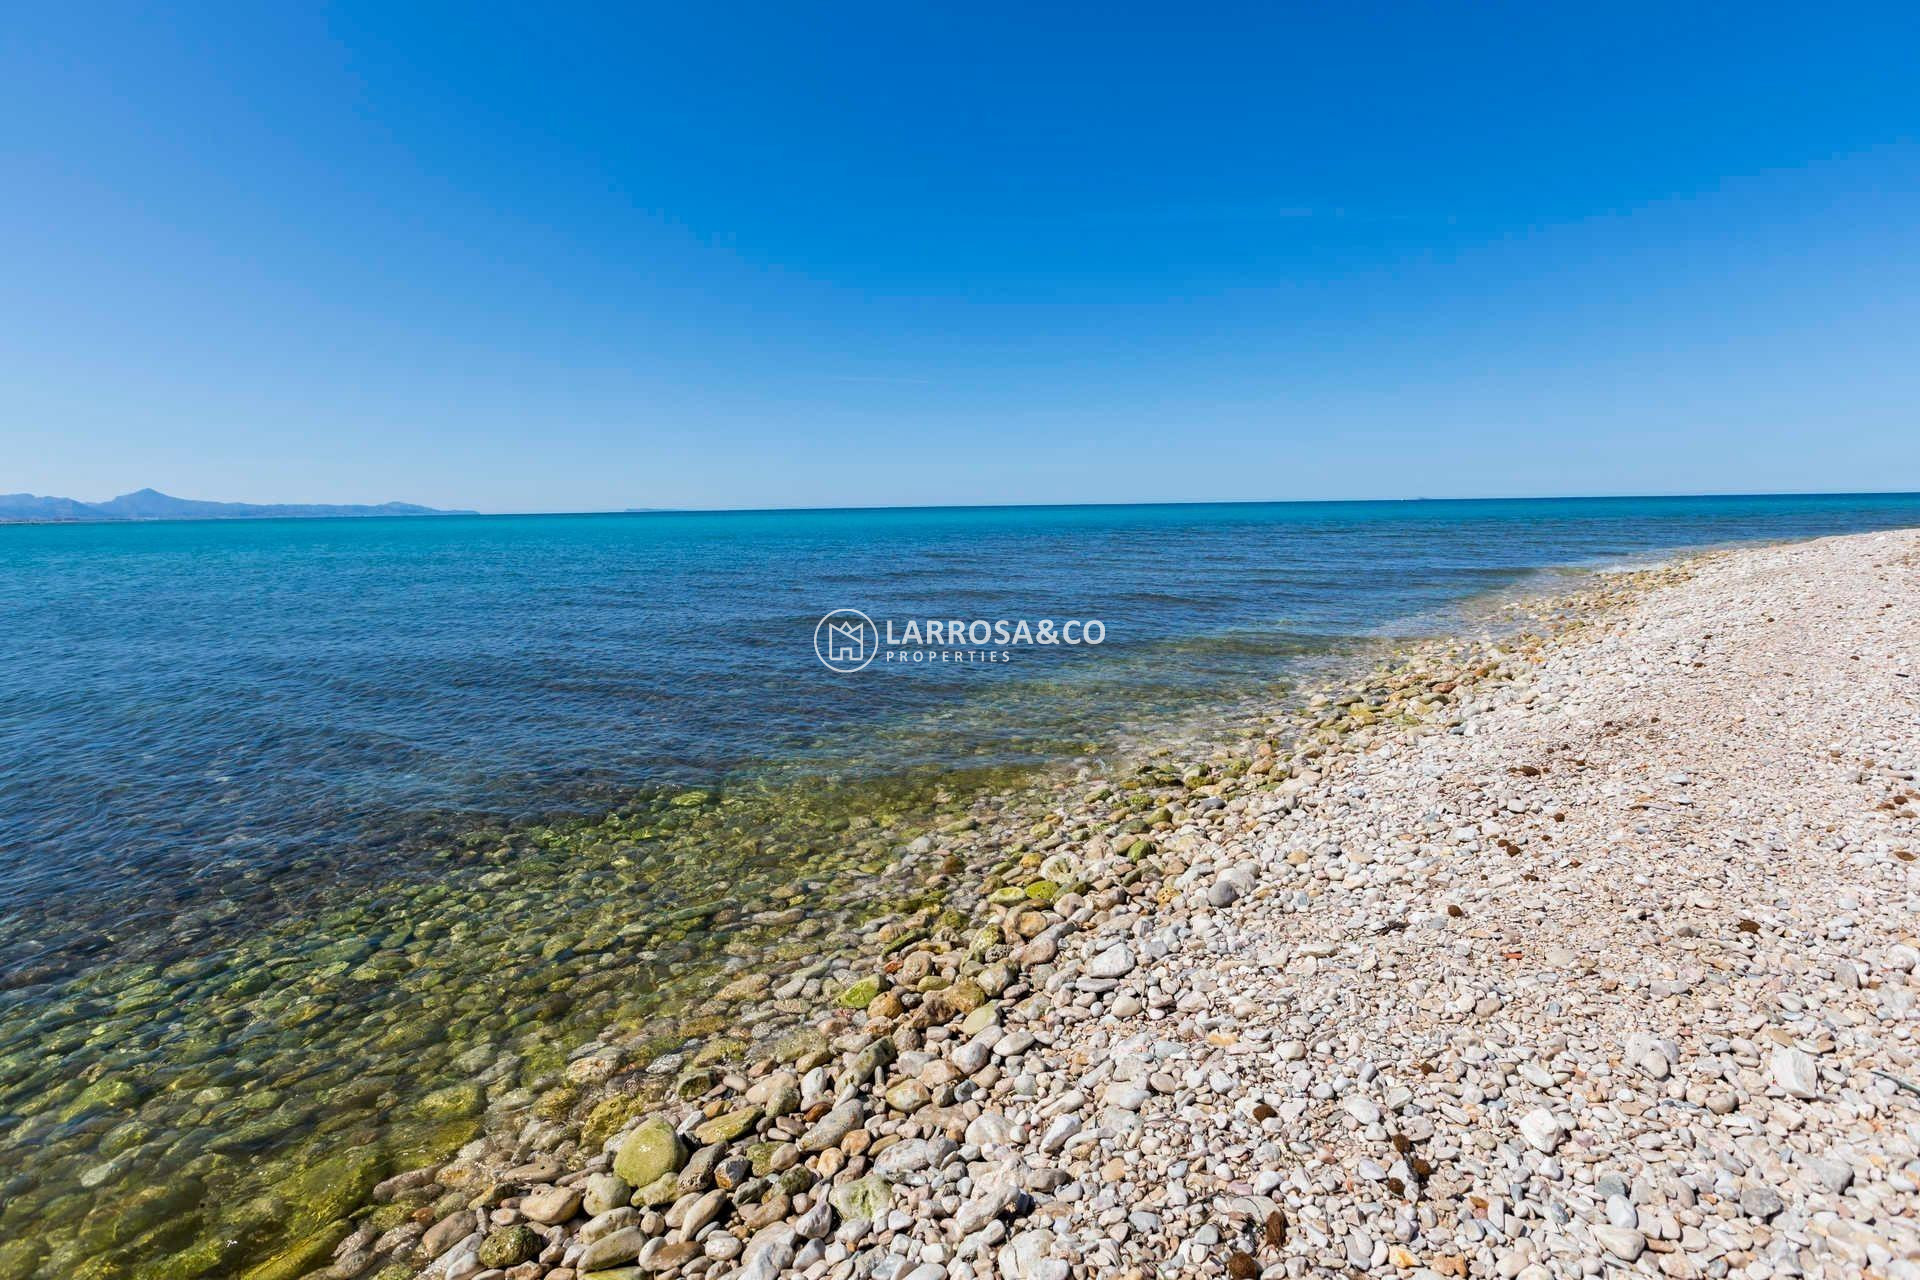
(649, 1153)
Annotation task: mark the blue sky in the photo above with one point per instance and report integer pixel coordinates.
(573, 257)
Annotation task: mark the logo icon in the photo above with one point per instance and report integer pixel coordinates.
(846, 640)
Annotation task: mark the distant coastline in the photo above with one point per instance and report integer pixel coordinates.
(151, 504)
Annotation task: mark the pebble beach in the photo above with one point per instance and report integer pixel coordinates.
(1588, 950)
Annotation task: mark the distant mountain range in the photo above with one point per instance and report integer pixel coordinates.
(150, 504)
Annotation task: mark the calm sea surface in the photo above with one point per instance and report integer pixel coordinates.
(324, 843)
(185, 707)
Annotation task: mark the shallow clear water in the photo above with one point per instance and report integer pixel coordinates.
(273, 874)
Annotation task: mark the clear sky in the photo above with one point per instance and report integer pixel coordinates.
(571, 257)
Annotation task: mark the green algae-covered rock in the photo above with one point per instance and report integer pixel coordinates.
(109, 1093)
(20, 1259)
(695, 1082)
(862, 992)
(663, 1190)
(863, 1199)
(334, 1187)
(609, 1116)
(980, 1019)
(795, 1180)
(863, 1064)
(509, 1246)
(649, 1153)
(761, 1156)
(719, 1049)
(205, 1257)
(386, 1217)
(964, 996)
(311, 1252)
(727, 1127)
(169, 1235)
(798, 1044)
(121, 1219)
(454, 1102)
(557, 1104)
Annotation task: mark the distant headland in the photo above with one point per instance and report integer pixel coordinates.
(150, 504)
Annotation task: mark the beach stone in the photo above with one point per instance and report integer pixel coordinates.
(551, 1205)
(971, 1058)
(902, 1158)
(991, 1128)
(980, 1019)
(816, 1222)
(994, 1194)
(783, 1099)
(1058, 1131)
(908, 1096)
(697, 1174)
(539, 1169)
(616, 1248)
(604, 1191)
(770, 1252)
(1540, 1129)
(1115, 962)
(669, 1255)
(774, 1209)
(706, 1209)
(1761, 1202)
(1833, 1173)
(866, 1064)
(1230, 886)
(1795, 1071)
(1025, 1257)
(831, 1128)
(1367, 1112)
(1621, 1242)
(449, 1231)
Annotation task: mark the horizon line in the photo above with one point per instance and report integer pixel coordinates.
(455, 514)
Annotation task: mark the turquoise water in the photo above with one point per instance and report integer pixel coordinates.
(290, 900)
(247, 709)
